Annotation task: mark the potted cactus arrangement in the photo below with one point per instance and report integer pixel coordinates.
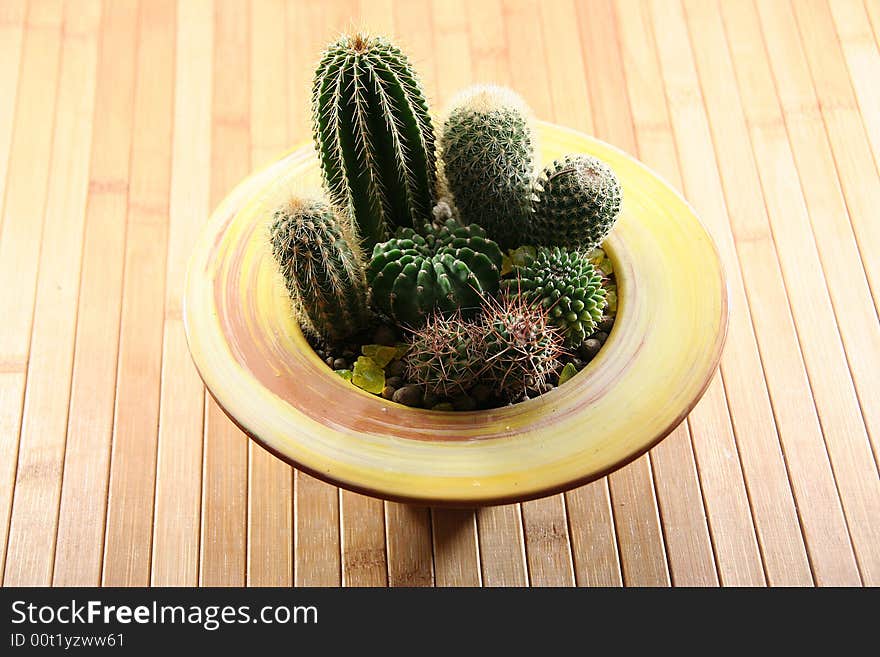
(443, 270)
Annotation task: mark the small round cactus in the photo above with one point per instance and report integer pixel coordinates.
(447, 268)
(487, 151)
(523, 348)
(322, 266)
(567, 285)
(577, 203)
(446, 356)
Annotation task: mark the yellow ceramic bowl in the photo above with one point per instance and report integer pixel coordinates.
(665, 345)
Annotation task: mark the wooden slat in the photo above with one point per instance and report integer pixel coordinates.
(727, 503)
(80, 542)
(127, 543)
(637, 520)
(316, 533)
(377, 17)
(26, 193)
(364, 561)
(270, 480)
(451, 54)
(223, 546)
(410, 549)
(502, 549)
(44, 425)
(822, 519)
(414, 27)
(12, 15)
(456, 553)
(489, 57)
(685, 529)
(873, 9)
(177, 515)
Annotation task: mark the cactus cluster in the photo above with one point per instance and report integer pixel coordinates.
(322, 266)
(567, 285)
(487, 151)
(577, 202)
(374, 135)
(447, 268)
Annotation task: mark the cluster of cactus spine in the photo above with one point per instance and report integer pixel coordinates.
(323, 267)
(374, 135)
(487, 151)
(447, 355)
(522, 347)
(577, 200)
(447, 268)
(567, 285)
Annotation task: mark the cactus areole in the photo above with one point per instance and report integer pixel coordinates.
(374, 136)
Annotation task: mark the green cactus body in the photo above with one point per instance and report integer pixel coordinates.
(567, 285)
(577, 202)
(447, 268)
(374, 136)
(487, 151)
(447, 355)
(323, 268)
(522, 346)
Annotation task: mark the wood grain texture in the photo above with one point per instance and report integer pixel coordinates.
(124, 122)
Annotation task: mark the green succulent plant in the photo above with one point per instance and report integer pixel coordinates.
(446, 355)
(566, 285)
(577, 201)
(447, 268)
(523, 348)
(323, 267)
(487, 154)
(374, 135)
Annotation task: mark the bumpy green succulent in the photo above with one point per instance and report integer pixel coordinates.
(487, 152)
(522, 346)
(374, 135)
(577, 202)
(323, 268)
(567, 285)
(447, 268)
(447, 355)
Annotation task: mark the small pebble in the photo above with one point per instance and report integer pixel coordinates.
(394, 381)
(601, 336)
(481, 393)
(331, 361)
(348, 353)
(578, 364)
(340, 364)
(410, 395)
(443, 406)
(464, 403)
(606, 324)
(590, 348)
(430, 400)
(385, 335)
(388, 391)
(395, 368)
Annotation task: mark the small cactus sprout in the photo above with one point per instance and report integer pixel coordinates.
(577, 203)
(523, 348)
(488, 151)
(374, 136)
(322, 266)
(446, 356)
(567, 285)
(447, 268)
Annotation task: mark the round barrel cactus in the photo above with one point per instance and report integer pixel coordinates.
(447, 268)
(577, 202)
(374, 135)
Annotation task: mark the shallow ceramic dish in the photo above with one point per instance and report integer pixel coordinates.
(655, 365)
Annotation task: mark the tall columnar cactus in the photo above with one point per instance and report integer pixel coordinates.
(577, 202)
(567, 286)
(448, 268)
(374, 135)
(323, 267)
(488, 151)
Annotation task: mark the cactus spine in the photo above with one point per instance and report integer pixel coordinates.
(322, 266)
(374, 136)
(577, 202)
(487, 151)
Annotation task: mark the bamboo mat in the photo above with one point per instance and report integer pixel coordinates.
(123, 123)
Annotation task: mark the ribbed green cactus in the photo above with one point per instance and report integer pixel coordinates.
(522, 347)
(448, 268)
(487, 150)
(323, 268)
(577, 202)
(374, 135)
(567, 285)
(446, 355)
